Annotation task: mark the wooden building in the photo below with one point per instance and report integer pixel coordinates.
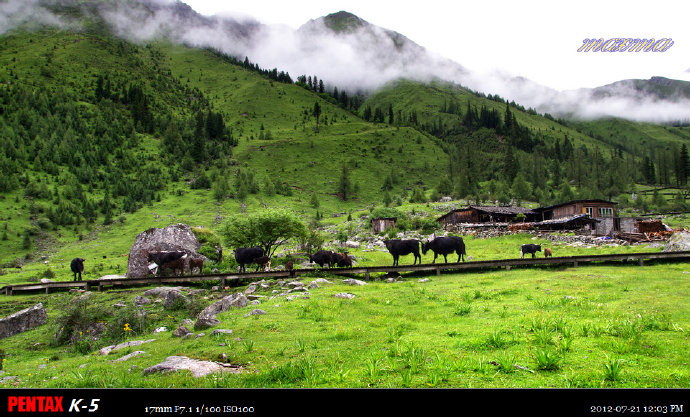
(595, 209)
(487, 214)
(383, 223)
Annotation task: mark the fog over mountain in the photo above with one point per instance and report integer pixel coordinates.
(348, 52)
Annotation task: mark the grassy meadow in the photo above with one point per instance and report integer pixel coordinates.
(592, 326)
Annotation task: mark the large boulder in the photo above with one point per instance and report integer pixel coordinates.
(177, 237)
(22, 321)
(678, 242)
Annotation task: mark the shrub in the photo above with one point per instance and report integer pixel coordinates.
(77, 320)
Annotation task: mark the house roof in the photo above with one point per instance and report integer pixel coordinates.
(508, 210)
(568, 219)
(538, 209)
(501, 209)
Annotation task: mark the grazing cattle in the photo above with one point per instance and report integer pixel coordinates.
(547, 252)
(262, 262)
(245, 256)
(445, 246)
(530, 248)
(343, 260)
(196, 263)
(323, 257)
(174, 265)
(77, 266)
(163, 257)
(403, 247)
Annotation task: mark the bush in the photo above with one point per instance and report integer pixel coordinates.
(386, 212)
(76, 321)
(210, 244)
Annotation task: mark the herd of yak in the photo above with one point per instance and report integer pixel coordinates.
(175, 260)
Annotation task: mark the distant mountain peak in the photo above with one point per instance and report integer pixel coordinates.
(343, 21)
(655, 88)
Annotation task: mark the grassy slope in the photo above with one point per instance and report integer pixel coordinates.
(307, 160)
(428, 100)
(637, 137)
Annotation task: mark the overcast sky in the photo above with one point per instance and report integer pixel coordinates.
(536, 39)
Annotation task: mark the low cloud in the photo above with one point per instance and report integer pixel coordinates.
(29, 13)
(359, 60)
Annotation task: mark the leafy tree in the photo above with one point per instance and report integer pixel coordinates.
(267, 229)
(417, 196)
(521, 189)
(565, 193)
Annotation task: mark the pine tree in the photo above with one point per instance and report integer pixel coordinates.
(344, 184)
(317, 113)
(684, 165)
(26, 242)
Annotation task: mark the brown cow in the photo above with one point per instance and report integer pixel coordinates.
(343, 259)
(547, 252)
(196, 263)
(262, 262)
(176, 265)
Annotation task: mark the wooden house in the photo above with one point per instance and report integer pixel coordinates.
(595, 209)
(486, 214)
(601, 211)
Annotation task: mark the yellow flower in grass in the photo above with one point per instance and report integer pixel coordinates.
(127, 328)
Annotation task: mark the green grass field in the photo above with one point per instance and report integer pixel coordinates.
(593, 326)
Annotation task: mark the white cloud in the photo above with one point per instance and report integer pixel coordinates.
(494, 40)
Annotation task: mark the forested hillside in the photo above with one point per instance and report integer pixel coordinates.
(94, 128)
(499, 150)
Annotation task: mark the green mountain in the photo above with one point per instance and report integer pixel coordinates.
(500, 151)
(656, 88)
(103, 138)
(97, 130)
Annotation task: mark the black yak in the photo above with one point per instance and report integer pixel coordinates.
(445, 246)
(77, 266)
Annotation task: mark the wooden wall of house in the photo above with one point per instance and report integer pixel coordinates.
(463, 216)
(579, 208)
